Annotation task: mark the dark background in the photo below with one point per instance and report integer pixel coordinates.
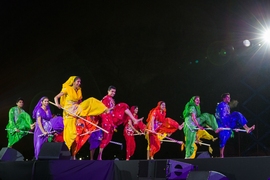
(150, 50)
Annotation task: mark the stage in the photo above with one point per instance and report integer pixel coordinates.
(234, 168)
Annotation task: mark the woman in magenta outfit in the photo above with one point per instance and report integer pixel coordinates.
(44, 127)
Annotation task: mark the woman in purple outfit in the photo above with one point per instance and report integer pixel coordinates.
(44, 128)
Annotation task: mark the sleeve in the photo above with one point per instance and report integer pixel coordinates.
(192, 110)
(11, 118)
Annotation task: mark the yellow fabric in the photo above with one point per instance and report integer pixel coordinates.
(91, 107)
(69, 92)
(70, 102)
(160, 137)
(203, 134)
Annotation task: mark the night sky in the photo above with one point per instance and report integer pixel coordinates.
(150, 50)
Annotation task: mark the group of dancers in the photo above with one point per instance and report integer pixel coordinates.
(96, 120)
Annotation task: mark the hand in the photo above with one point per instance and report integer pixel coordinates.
(59, 106)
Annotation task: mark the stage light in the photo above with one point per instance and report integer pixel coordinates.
(266, 36)
(246, 43)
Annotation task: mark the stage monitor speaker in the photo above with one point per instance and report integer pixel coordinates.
(164, 169)
(54, 150)
(10, 154)
(206, 175)
(203, 154)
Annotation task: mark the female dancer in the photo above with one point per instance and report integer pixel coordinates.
(158, 123)
(195, 120)
(71, 101)
(19, 123)
(44, 129)
(129, 130)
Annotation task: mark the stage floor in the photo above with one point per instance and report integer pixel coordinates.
(235, 168)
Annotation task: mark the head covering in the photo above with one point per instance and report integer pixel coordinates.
(67, 85)
(189, 104)
(158, 112)
(132, 109)
(39, 104)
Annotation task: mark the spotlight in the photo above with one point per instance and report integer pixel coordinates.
(246, 43)
(266, 36)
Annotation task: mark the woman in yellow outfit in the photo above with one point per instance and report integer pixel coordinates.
(71, 101)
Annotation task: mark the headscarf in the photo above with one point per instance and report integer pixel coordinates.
(191, 102)
(68, 85)
(132, 109)
(158, 112)
(38, 106)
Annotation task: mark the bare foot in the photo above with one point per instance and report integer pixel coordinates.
(214, 139)
(249, 130)
(99, 157)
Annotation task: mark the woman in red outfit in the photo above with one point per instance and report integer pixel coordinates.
(129, 130)
(158, 123)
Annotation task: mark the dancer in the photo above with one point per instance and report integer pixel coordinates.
(201, 134)
(129, 130)
(44, 129)
(194, 119)
(84, 131)
(226, 119)
(158, 123)
(116, 116)
(19, 123)
(71, 101)
(94, 141)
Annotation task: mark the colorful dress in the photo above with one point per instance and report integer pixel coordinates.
(162, 126)
(225, 119)
(70, 101)
(112, 119)
(45, 117)
(190, 127)
(18, 119)
(129, 133)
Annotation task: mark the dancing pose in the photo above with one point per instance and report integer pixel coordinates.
(193, 120)
(94, 141)
(129, 130)
(201, 134)
(44, 129)
(73, 106)
(19, 123)
(157, 124)
(226, 119)
(116, 116)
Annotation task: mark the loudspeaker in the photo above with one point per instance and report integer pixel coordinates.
(54, 150)
(203, 154)
(206, 175)
(164, 169)
(10, 154)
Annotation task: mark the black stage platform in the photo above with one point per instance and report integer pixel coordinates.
(235, 168)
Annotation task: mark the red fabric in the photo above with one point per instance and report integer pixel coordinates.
(154, 144)
(119, 116)
(130, 145)
(58, 137)
(83, 127)
(166, 125)
(112, 119)
(169, 126)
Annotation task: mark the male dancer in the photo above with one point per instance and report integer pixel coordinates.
(226, 119)
(113, 118)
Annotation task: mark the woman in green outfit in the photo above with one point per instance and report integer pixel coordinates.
(195, 120)
(19, 123)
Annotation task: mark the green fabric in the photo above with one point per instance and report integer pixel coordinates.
(18, 119)
(191, 102)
